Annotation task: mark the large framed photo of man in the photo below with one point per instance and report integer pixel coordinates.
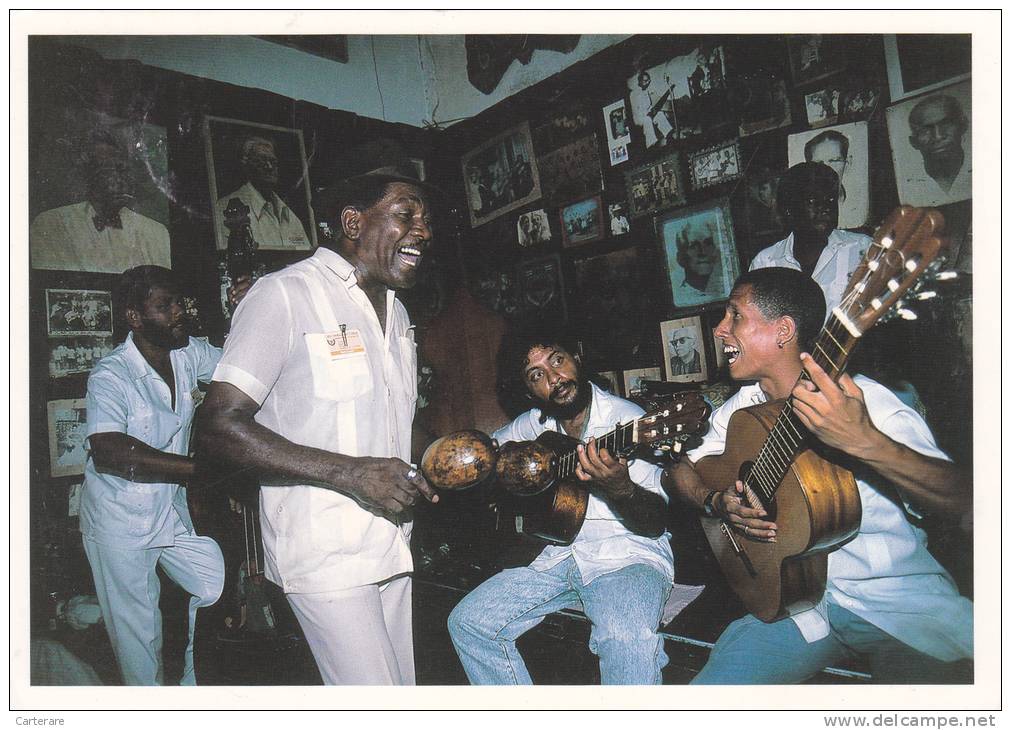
(501, 175)
(72, 312)
(264, 168)
(702, 261)
(931, 140)
(684, 350)
(68, 424)
(844, 149)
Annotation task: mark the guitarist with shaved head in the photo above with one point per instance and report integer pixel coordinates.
(619, 567)
(886, 597)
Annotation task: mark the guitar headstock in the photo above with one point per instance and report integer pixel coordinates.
(907, 244)
(671, 421)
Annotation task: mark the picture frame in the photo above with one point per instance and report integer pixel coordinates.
(763, 215)
(582, 221)
(617, 213)
(844, 148)
(815, 56)
(237, 154)
(72, 355)
(715, 165)
(533, 227)
(501, 175)
(655, 186)
(632, 379)
(685, 359)
(701, 253)
(541, 286)
(763, 104)
(822, 107)
(75, 312)
(925, 177)
(918, 63)
(612, 380)
(68, 422)
(617, 127)
(571, 171)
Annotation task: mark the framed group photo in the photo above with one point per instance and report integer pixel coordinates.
(501, 175)
(264, 168)
(582, 221)
(684, 350)
(655, 186)
(715, 165)
(701, 254)
(73, 312)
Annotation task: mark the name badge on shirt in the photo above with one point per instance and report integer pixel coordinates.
(343, 344)
(197, 396)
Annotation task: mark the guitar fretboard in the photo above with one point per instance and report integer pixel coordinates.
(616, 442)
(831, 351)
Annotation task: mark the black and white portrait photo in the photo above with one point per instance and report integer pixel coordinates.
(263, 167)
(501, 175)
(931, 138)
(98, 194)
(702, 261)
(619, 219)
(844, 149)
(684, 350)
(532, 227)
(616, 123)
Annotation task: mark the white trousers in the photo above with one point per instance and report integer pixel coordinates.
(360, 635)
(128, 591)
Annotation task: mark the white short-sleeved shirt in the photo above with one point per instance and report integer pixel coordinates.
(66, 239)
(840, 257)
(603, 544)
(126, 395)
(355, 396)
(885, 574)
(279, 228)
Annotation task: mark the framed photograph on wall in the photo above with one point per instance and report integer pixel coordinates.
(69, 355)
(533, 227)
(571, 171)
(501, 175)
(633, 379)
(763, 216)
(264, 167)
(762, 103)
(715, 165)
(918, 63)
(103, 223)
(931, 140)
(540, 286)
(655, 186)
(701, 254)
(814, 57)
(582, 221)
(843, 148)
(78, 312)
(68, 423)
(684, 350)
(616, 124)
(612, 381)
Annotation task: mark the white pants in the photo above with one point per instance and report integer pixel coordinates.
(128, 591)
(360, 635)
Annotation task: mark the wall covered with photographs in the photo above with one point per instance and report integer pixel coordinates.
(658, 163)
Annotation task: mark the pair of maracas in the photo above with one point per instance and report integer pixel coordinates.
(464, 459)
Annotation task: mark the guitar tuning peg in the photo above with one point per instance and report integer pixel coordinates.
(929, 294)
(906, 313)
(946, 275)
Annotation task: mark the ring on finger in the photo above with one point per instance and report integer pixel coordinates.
(747, 529)
(411, 473)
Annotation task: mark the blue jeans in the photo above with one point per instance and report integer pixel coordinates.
(750, 651)
(624, 608)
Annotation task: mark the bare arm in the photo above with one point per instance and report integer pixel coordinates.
(837, 415)
(126, 457)
(227, 431)
(642, 511)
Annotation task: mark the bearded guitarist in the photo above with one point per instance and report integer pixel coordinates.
(619, 567)
(885, 597)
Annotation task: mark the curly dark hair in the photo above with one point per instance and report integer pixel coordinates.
(516, 344)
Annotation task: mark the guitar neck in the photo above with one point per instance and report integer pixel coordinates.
(616, 442)
(832, 351)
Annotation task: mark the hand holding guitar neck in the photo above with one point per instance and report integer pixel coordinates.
(610, 474)
(834, 412)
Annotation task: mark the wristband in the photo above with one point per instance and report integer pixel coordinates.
(707, 504)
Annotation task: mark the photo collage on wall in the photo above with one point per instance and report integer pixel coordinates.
(679, 173)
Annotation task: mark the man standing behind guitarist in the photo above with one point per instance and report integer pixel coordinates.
(886, 597)
(619, 568)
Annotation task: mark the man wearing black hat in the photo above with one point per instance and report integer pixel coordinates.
(316, 392)
(808, 203)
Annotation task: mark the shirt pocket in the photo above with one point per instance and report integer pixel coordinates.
(409, 367)
(138, 505)
(337, 378)
(152, 425)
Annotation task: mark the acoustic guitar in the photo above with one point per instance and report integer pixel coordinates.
(812, 498)
(539, 478)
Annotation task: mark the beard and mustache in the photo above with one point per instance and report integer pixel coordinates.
(566, 411)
